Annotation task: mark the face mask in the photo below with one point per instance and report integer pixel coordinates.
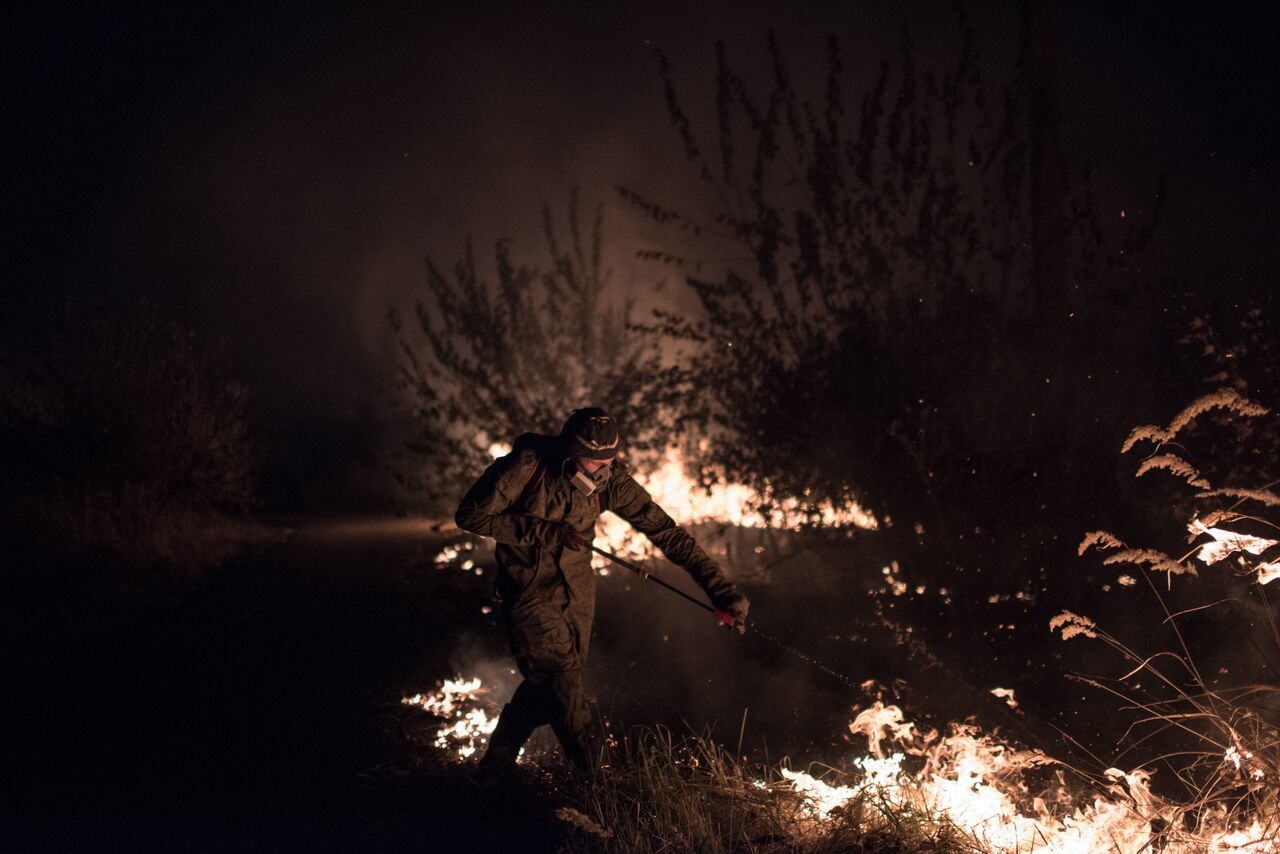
(589, 483)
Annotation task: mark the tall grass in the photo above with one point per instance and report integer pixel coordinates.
(655, 792)
(1223, 740)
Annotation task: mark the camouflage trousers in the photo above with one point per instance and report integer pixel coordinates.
(549, 631)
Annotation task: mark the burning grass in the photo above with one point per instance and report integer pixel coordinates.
(468, 718)
(965, 791)
(707, 497)
(908, 791)
(722, 502)
(970, 790)
(660, 793)
(1227, 742)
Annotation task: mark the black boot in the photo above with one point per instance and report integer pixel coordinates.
(517, 722)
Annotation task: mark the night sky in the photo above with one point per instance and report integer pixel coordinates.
(275, 179)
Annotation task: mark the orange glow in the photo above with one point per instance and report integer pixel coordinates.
(726, 503)
(966, 779)
(470, 717)
(974, 782)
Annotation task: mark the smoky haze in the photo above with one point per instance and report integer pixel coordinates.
(276, 179)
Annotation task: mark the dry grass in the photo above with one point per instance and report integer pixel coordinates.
(659, 793)
(1227, 754)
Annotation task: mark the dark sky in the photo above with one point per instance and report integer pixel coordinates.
(276, 178)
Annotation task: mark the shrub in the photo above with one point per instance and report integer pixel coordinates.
(919, 308)
(122, 436)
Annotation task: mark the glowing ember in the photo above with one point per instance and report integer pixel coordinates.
(456, 556)
(1006, 694)
(469, 721)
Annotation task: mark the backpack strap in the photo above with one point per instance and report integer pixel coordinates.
(536, 477)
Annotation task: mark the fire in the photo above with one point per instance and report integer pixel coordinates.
(975, 782)
(689, 503)
(726, 503)
(966, 779)
(470, 721)
(1006, 694)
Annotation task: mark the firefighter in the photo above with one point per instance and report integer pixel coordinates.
(540, 503)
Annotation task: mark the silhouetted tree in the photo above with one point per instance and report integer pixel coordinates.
(891, 332)
(486, 360)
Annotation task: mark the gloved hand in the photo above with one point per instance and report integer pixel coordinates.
(732, 611)
(564, 534)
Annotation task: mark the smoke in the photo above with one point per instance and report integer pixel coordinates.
(277, 185)
(275, 180)
(657, 659)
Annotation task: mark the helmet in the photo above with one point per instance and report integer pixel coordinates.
(591, 433)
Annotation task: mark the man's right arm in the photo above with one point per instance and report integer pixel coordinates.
(481, 509)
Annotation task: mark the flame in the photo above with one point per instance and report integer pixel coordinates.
(1006, 694)
(974, 782)
(469, 721)
(726, 503)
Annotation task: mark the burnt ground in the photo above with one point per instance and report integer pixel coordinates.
(260, 710)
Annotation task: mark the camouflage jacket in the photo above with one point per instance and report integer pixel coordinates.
(523, 496)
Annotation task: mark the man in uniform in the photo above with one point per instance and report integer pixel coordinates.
(540, 503)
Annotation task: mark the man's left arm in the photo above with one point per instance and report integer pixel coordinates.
(633, 503)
